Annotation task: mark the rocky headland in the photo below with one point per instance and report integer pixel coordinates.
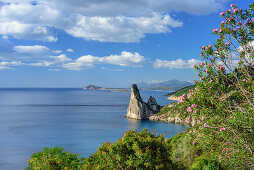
(141, 110)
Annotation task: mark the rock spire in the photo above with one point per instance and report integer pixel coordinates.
(138, 109)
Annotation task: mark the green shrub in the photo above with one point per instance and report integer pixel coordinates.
(54, 159)
(134, 150)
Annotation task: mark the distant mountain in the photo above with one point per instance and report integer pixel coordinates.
(166, 85)
(93, 87)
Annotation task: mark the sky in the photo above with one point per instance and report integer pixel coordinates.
(109, 43)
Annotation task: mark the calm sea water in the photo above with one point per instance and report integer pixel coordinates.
(77, 120)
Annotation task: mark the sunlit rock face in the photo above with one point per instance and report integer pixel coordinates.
(138, 109)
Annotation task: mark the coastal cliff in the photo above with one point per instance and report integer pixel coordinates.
(138, 109)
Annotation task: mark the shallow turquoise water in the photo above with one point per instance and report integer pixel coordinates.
(75, 119)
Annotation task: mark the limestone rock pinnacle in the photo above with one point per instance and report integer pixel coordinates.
(138, 109)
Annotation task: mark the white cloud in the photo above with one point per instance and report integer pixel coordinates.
(40, 64)
(61, 58)
(125, 59)
(100, 20)
(108, 69)
(5, 68)
(34, 56)
(55, 69)
(70, 50)
(121, 28)
(175, 64)
(32, 49)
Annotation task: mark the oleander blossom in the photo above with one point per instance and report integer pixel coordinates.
(193, 105)
(189, 109)
(187, 120)
(222, 13)
(222, 129)
(202, 63)
(215, 30)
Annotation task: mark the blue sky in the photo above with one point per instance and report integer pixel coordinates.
(110, 43)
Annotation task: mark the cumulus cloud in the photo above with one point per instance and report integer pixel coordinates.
(125, 59)
(70, 50)
(61, 58)
(175, 64)
(100, 20)
(32, 49)
(5, 68)
(34, 56)
(54, 69)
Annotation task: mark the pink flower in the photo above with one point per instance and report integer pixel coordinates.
(223, 22)
(190, 131)
(221, 30)
(183, 96)
(189, 109)
(206, 125)
(244, 80)
(232, 5)
(222, 129)
(193, 105)
(245, 24)
(202, 63)
(205, 70)
(230, 85)
(230, 117)
(209, 88)
(210, 81)
(203, 47)
(222, 13)
(196, 81)
(235, 10)
(215, 30)
(222, 68)
(228, 11)
(201, 54)
(180, 101)
(209, 64)
(201, 78)
(204, 84)
(226, 43)
(210, 46)
(195, 111)
(187, 120)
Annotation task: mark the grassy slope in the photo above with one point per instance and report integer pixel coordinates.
(181, 91)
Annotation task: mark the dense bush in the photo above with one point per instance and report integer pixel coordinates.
(134, 150)
(54, 159)
(223, 99)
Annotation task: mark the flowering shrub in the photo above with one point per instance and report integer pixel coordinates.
(223, 100)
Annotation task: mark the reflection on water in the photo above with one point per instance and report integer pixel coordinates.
(75, 119)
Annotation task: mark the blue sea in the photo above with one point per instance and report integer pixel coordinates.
(78, 120)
